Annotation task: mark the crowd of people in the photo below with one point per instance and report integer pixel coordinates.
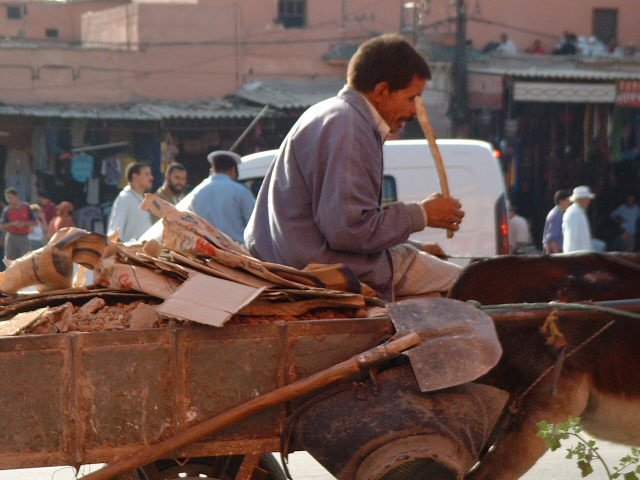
(27, 227)
(568, 44)
(567, 228)
(224, 202)
(221, 200)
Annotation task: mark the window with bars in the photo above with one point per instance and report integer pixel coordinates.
(292, 13)
(605, 24)
(14, 12)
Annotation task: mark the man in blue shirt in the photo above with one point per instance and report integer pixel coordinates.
(627, 215)
(221, 200)
(552, 234)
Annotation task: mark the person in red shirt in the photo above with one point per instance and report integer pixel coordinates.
(536, 48)
(17, 220)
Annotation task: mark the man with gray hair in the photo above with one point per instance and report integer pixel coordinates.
(220, 199)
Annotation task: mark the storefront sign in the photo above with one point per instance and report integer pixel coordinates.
(628, 93)
(564, 92)
(485, 91)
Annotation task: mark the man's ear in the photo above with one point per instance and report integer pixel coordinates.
(381, 90)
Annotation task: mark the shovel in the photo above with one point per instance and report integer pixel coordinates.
(460, 337)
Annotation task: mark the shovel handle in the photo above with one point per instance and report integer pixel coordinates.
(423, 119)
(288, 392)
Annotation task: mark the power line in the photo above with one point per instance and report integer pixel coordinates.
(231, 43)
(512, 27)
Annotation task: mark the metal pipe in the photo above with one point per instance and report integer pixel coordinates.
(249, 128)
(520, 312)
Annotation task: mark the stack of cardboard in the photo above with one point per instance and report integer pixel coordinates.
(197, 272)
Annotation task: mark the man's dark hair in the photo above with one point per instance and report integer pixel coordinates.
(387, 58)
(561, 195)
(223, 163)
(172, 167)
(11, 191)
(135, 168)
(43, 194)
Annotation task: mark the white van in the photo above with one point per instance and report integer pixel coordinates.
(410, 175)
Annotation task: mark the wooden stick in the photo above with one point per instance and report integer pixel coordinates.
(423, 119)
(293, 390)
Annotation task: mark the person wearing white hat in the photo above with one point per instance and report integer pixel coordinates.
(221, 200)
(575, 224)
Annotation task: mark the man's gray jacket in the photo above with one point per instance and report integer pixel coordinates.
(320, 200)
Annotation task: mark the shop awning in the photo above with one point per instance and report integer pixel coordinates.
(564, 92)
(141, 111)
(557, 67)
(290, 94)
(628, 94)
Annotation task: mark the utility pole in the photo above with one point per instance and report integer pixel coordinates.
(461, 104)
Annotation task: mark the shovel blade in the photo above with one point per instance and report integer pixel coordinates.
(459, 341)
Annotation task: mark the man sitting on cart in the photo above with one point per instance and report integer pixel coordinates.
(321, 199)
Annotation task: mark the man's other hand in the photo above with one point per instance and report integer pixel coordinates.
(442, 212)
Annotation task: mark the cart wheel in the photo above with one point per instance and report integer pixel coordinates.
(218, 468)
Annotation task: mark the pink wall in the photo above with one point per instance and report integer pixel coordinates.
(217, 45)
(40, 16)
(112, 28)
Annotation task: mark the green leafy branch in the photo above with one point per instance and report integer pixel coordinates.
(585, 452)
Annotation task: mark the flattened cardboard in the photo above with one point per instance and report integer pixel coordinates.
(222, 271)
(21, 321)
(208, 300)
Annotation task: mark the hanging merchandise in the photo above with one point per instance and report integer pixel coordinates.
(169, 151)
(39, 150)
(78, 129)
(588, 129)
(93, 191)
(81, 167)
(90, 218)
(111, 170)
(620, 134)
(17, 172)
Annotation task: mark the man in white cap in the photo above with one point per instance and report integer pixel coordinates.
(221, 200)
(575, 224)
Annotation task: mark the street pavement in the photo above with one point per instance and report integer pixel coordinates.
(553, 466)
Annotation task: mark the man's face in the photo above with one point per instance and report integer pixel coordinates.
(583, 202)
(397, 107)
(177, 180)
(144, 179)
(12, 200)
(564, 203)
